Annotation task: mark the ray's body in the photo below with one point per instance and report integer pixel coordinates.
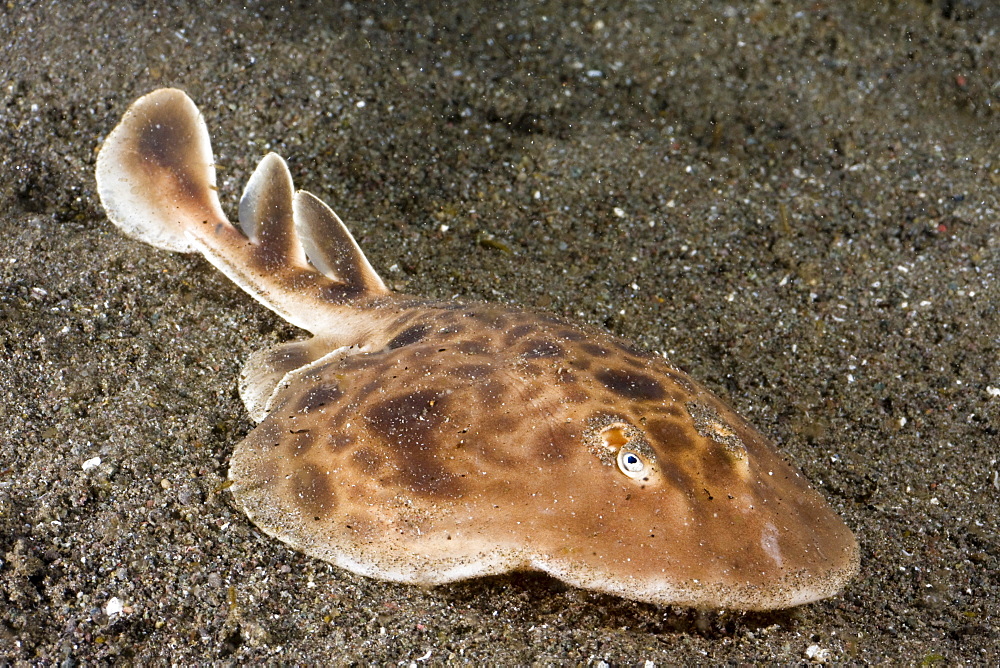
(426, 442)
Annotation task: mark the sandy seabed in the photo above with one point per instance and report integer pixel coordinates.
(798, 201)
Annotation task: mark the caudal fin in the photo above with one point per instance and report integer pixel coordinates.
(155, 170)
(291, 252)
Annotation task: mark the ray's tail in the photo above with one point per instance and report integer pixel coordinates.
(156, 180)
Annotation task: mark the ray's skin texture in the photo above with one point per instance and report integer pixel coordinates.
(426, 442)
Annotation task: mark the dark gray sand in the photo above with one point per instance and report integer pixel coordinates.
(798, 201)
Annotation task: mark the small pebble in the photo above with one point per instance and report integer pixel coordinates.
(113, 607)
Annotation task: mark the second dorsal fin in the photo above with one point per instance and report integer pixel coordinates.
(330, 246)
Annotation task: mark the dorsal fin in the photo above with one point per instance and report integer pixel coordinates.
(266, 214)
(330, 246)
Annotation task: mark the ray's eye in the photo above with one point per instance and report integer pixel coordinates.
(620, 443)
(631, 464)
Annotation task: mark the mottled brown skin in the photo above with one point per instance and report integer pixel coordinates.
(475, 432)
(426, 442)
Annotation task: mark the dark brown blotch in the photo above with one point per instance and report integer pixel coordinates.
(574, 394)
(566, 377)
(302, 441)
(318, 397)
(670, 410)
(491, 391)
(536, 348)
(425, 476)
(267, 259)
(339, 442)
(719, 466)
(492, 318)
(169, 127)
(472, 371)
(311, 490)
(669, 436)
(261, 472)
(290, 356)
(361, 361)
(368, 460)
(571, 335)
(517, 332)
(408, 336)
(504, 423)
(682, 480)
(413, 413)
(561, 441)
(408, 426)
(631, 384)
(337, 292)
(633, 350)
(594, 350)
(532, 370)
(474, 347)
